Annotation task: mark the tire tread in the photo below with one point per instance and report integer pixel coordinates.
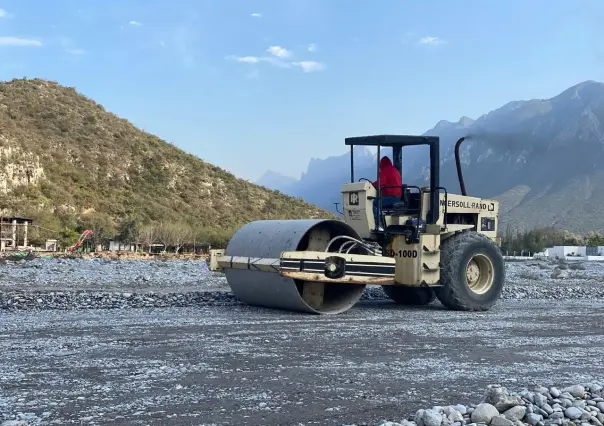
(452, 250)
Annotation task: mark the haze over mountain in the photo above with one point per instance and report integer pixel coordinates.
(542, 158)
(276, 181)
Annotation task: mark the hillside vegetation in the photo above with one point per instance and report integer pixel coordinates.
(71, 165)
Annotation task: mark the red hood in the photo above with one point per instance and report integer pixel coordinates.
(385, 162)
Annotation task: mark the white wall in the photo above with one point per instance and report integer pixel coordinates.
(119, 246)
(563, 251)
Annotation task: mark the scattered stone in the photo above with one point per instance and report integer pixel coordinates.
(21, 300)
(431, 418)
(573, 413)
(455, 416)
(577, 405)
(484, 413)
(501, 421)
(500, 398)
(540, 399)
(515, 413)
(67, 283)
(533, 419)
(462, 409)
(577, 391)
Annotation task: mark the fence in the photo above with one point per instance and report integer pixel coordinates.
(519, 257)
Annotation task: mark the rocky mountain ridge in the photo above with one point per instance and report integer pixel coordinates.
(542, 158)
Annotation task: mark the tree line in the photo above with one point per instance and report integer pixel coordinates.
(175, 234)
(538, 239)
(172, 235)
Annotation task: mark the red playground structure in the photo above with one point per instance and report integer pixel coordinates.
(86, 234)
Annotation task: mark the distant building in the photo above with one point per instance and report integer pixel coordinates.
(13, 233)
(595, 251)
(575, 252)
(120, 246)
(51, 245)
(564, 251)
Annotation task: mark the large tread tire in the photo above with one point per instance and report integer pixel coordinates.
(410, 296)
(456, 253)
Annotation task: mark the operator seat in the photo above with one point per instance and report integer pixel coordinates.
(406, 205)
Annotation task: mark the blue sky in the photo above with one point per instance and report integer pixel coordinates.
(256, 85)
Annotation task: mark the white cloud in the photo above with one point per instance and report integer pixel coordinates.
(278, 59)
(432, 41)
(279, 52)
(277, 62)
(257, 59)
(76, 51)
(256, 15)
(312, 47)
(19, 41)
(248, 59)
(136, 23)
(310, 66)
(3, 13)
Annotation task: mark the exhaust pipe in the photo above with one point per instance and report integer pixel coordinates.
(458, 164)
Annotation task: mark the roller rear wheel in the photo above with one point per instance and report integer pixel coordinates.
(473, 272)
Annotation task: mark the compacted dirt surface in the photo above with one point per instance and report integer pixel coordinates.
(240, 365)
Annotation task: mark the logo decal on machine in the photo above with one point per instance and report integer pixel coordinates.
(353, 198)
(468, 205)
(403, 253)
(354, 214)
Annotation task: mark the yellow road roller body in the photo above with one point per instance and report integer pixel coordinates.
(429, 244)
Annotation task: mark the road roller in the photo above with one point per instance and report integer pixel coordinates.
(430, 244)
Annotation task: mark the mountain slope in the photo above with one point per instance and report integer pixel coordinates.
(62, 155)
(542, 158)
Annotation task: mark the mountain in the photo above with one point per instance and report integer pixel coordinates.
(68, 163)
(276, 181)
(542, 158)
(325, 177)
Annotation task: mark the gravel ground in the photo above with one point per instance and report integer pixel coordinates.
(101, 283)
(248, 366)
(109, 275)
(192, 355)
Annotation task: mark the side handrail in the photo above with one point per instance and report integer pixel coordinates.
(438, 188)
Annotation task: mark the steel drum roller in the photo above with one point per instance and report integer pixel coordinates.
(268, 239)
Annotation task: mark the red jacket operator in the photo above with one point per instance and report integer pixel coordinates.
(389, 176)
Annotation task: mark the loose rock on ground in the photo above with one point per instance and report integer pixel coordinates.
(103, 283)
(247, 366)
(577, 405)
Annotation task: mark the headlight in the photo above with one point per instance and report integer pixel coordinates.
(335, 267)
